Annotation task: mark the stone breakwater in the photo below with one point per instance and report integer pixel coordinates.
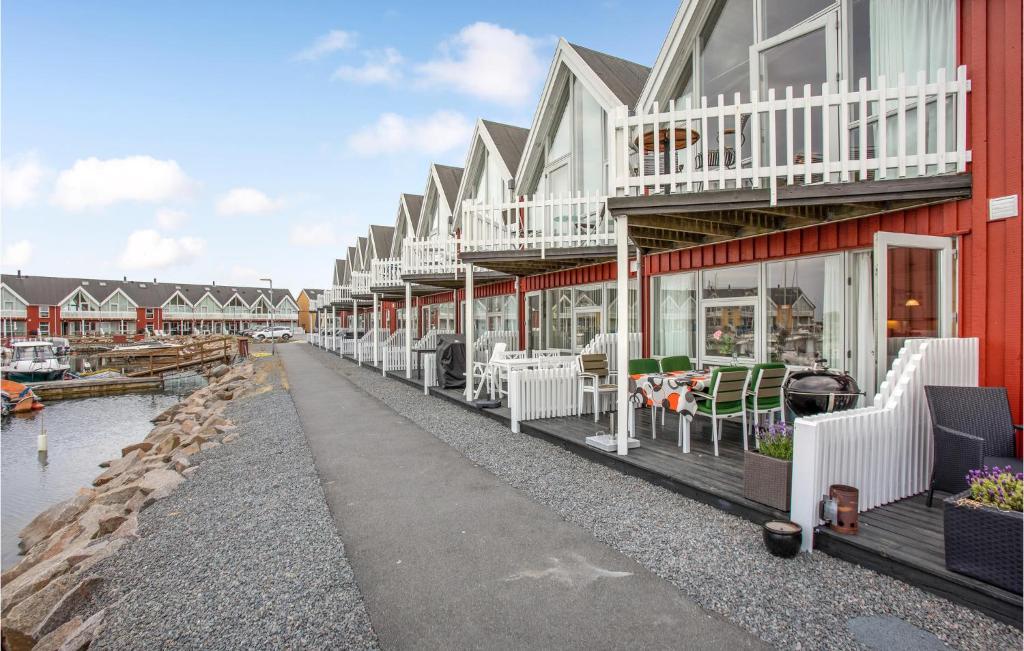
(44, 594)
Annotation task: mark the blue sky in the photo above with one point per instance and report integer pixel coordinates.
(201, 141)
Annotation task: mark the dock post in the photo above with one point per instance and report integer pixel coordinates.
(376, 328)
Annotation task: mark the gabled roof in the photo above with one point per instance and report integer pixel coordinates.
(381, 237)
(509, 141)
(449, 178)
(339, 270)
(363, 258)
(413, 204)
(50, 290)
(667, 67)
(624, 78)
(442, 181)
(611, 81)
(503, 143)
(311, 293)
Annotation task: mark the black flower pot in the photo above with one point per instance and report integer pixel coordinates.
(782, 538)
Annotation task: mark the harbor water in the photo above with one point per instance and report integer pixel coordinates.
(80, 434)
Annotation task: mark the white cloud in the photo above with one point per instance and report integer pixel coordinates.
(316, 234)
(148, 249)
(17, 254)
(332, 41)
(241, 275)
(95, 183)
(20, 179)
(170, 220)
(381, 67)
(246, 201)
(434, 134)
(489, 62)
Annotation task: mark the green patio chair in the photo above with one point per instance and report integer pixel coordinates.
(764, 396)
(724, 399)
(647, 365)
(676, 363)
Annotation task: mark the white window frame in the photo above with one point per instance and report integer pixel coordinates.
(946, 287)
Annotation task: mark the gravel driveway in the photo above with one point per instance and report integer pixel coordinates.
(814, 601)
(243, 555)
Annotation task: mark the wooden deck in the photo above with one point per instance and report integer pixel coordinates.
(902, 539)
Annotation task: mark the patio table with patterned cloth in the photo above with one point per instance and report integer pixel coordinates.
(672, 391)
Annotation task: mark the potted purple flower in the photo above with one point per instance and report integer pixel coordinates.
(984, 529)
(768, 470)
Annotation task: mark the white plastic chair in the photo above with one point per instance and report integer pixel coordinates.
(593, 373)
(488, 372)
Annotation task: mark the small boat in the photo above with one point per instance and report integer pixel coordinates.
(35, 361)
(18, 398)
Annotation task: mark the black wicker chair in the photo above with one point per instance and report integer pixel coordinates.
(972, 428)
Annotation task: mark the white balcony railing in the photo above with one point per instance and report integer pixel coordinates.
(431, 256)
(386, 272)
(21, 313)
(360, 282)
(537, 223)
(830, 134)
(337, 294)
(97, 314)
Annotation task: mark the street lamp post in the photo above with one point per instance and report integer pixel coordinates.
(270, 320)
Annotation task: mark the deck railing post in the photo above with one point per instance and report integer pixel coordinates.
(408, 331)
(468, 328)
(622, 335)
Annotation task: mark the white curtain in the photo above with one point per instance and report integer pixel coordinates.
(862, 338)
(832, 313)
(910, 36)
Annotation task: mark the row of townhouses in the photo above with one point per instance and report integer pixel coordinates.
(44, 306)
(821, 179)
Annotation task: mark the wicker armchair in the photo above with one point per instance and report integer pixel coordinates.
(972, 428)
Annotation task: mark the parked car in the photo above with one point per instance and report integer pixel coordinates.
(283, 333)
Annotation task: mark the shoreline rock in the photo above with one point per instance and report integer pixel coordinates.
(45, 593)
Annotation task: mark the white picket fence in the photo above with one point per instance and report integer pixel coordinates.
(364, 349)
(609, 343)
(484, 345)
(885, 449)
(348, 347)
(429, 340)
(542, 393)
(392, 352)
(829, 134)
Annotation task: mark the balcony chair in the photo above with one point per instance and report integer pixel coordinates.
(675, 364)
(764, 395)
(641, 366)
(488, 372)
(593, 378)
(724, 400)
(972, 428)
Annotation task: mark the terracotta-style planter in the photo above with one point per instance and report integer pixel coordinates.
(767, 480)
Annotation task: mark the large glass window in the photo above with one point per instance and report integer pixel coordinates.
(804, 310)
(590, 134)
(674, 311)
(730, 282)
(725, 44)
(634, 307)
(558, 304)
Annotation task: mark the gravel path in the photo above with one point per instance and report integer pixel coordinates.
(715, 558)
(243, 555)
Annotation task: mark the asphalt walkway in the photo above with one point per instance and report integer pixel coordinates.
(448, 556)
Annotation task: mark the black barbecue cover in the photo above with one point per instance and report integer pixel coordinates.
(451, 361)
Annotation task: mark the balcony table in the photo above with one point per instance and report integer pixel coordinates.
(672, 391)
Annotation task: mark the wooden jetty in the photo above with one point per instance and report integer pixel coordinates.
(147, 362)
(67, 389)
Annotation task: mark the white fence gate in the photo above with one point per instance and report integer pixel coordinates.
(884, 450)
